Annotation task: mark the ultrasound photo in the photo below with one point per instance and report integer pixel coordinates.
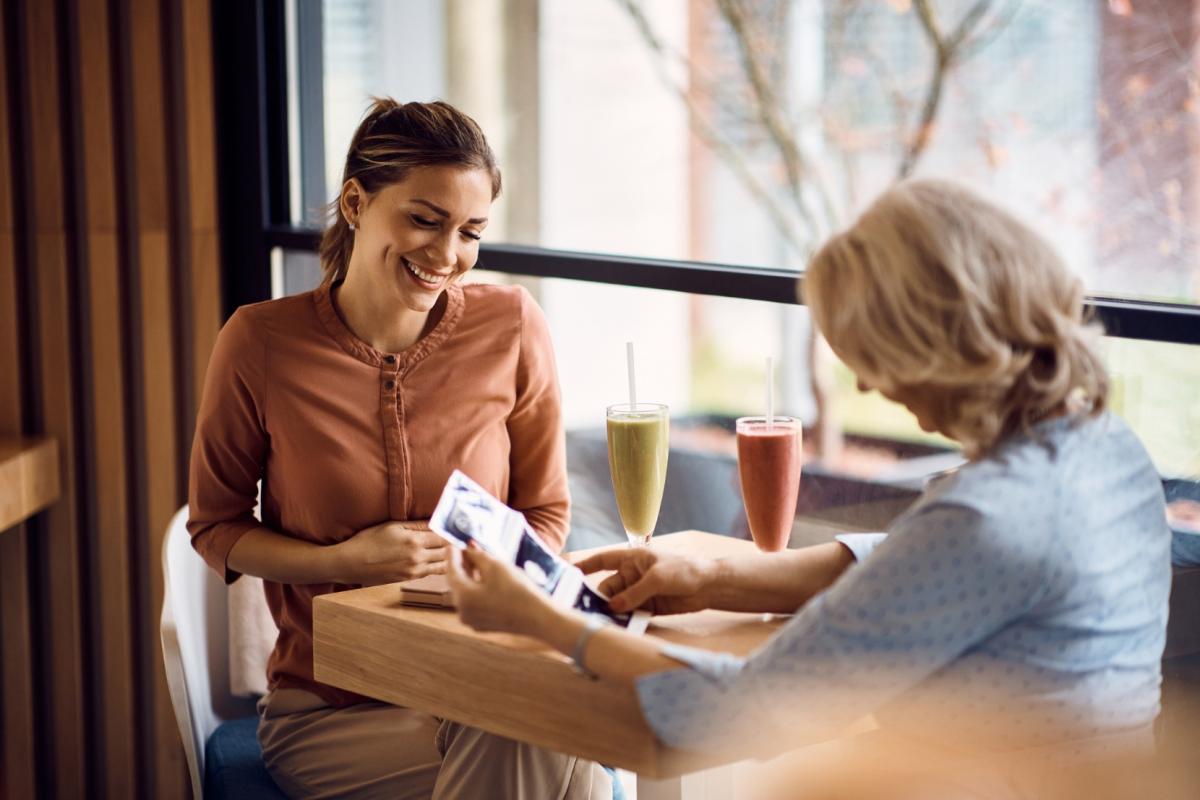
(467, 513)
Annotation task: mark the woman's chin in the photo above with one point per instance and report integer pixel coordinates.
(417, 298)
(422, 303)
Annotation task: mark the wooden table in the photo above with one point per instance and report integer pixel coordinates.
(28, 478)
(365, 641)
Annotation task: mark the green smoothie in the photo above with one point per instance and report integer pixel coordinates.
(637, 456)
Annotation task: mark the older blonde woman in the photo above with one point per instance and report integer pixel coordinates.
(1019, 604)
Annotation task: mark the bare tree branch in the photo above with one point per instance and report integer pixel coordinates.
(774, 119)
(720, 145)
(919, 140)
(966, 27)
(768, 120)
(700, 82)
(947, 50)
(1000, 20)
(929, 23)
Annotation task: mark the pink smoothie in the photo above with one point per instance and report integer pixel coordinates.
(769, 466)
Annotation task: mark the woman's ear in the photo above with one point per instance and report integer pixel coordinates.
(353, 200)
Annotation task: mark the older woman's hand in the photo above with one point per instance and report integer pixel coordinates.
(493, 595)
(664, 583)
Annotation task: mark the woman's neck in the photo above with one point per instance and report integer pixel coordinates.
(384, 325)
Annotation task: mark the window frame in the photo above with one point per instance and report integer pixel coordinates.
(250, 40)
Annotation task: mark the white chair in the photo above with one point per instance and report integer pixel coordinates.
(195, 643)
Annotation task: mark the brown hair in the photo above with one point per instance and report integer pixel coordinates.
(937, 289)
(392, 140)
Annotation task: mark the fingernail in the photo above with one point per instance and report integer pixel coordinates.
(618, 604)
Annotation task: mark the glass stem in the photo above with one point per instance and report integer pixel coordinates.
(637, 539)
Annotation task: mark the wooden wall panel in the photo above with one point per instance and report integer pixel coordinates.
(161, 496)
(204, 269)
(110, 526)
(57, 545)
(156, 273)
(7, 222)
(109, 293)
(117, 701)
(10, 333)
(18, 766)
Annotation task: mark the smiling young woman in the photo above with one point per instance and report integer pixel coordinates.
(412, 239)
(352, 404)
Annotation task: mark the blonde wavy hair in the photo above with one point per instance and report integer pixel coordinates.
(936, 290)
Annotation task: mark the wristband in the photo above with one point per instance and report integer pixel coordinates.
(592, 623)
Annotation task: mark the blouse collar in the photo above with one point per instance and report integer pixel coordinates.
(405, 359)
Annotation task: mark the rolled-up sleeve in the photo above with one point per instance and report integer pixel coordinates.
(882, 628)
(230, 444)
(861, 545)
(538, 458)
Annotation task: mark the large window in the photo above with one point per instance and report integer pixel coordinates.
(719, 132)
(648, 138)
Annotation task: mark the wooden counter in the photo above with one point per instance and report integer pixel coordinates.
(367, 642)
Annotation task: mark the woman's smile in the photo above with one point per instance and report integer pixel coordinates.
(425, 279)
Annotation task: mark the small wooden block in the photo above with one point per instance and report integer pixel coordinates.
(29, 480)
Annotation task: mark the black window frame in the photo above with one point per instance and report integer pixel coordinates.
(250, 44)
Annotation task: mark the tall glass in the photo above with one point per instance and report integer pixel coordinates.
(637, 458)
(769, 468)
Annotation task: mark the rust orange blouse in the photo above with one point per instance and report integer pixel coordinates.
(344, 437)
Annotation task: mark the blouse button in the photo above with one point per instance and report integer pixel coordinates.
(390, 359)
(389, 385)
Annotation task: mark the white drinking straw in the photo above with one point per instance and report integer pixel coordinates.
(770, 394)
(632, 386)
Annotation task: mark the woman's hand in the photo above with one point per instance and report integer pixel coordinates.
(389, 552)
(664, 583)
(493, 595)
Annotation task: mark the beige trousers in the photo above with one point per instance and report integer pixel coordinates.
(376, 750)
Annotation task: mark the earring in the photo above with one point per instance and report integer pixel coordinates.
(351, 226)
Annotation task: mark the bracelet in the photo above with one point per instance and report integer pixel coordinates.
(592, 623)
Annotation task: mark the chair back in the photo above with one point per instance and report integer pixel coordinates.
(195, 643)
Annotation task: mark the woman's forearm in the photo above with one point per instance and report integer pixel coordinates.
(612, 652)
(266, 554)
(775, 582)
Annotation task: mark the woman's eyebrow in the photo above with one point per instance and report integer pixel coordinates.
(442, 212)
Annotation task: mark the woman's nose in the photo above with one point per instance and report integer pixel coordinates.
(442, 253)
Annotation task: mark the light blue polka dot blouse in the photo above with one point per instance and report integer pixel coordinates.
(1021, 602)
